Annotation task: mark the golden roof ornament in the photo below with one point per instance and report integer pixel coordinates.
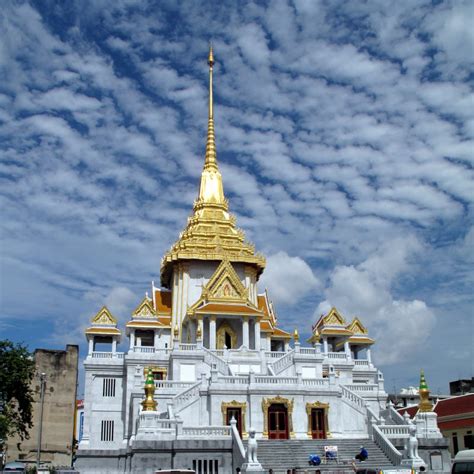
(199, 332)
(425, 403)
(211, 233)
(149, 404)
(176, 331)
(296, 336)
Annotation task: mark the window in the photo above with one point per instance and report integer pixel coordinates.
(469, 440)
(107, 430)
(108, 388)
(455, 443)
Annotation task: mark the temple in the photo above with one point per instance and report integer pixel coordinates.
(207, 361)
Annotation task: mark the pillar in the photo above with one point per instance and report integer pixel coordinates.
(257, 334)
(91, 345)
(347, 349)
(325, 345)
(245, 332)
(212, 333)
(157, 336)
(369, 355)
(114, 345)
(132, 339)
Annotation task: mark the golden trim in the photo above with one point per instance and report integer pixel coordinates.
(325, 407)
(266, 402)
(220, 338)
(235, 404)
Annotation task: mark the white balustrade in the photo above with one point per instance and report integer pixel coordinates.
(234, 380)
(362, 387)
(353, 399)
(307, 350)
(185, 398)
(212, 359)
(395, 431)
(316, 382)
(336, 355)
(283, 362)
(361, 363)
(386, 446)
(206, 431)
(187, 347)
(270, 379)
(172, 384)
(274, 354)
(107, 355)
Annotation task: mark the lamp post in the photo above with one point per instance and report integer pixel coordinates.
(40, 426)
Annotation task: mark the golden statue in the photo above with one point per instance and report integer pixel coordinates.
(149, 403)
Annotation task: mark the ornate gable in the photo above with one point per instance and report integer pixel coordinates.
(225, 285)
(104, 318)
(145, 310)
(333, 318)
(357, 327)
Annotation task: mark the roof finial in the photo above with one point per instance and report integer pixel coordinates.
(425, 403)
(211, 157)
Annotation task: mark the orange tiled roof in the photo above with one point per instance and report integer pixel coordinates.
(263, 306)
(265, 326)
(144, 324)
(336, 331)
(163, 302)
(277, 332)
(222, 308)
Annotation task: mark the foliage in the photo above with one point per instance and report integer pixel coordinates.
(17, 368)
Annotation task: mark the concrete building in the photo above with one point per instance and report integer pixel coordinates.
(207, 361)
(60, 369)
(461, 387)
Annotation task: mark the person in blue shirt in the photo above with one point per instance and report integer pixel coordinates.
(363, 455)
(314, 460)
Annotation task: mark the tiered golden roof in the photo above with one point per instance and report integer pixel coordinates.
(211, 232)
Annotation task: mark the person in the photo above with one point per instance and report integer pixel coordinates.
(314, 460)
(363, 455)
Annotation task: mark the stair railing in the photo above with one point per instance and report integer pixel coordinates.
(386, 446)
(238, 450)
(282, 363)
(355, 400)
(210, 358)
(185, 398)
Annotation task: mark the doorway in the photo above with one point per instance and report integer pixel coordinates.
(318, 427)
(277, 421)
(235, 412)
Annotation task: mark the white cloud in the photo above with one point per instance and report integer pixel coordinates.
(288, 279)
(401, 327)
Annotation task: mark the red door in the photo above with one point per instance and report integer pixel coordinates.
(318, 428)
(277, 421)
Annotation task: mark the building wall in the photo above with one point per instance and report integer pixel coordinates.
(59, 408)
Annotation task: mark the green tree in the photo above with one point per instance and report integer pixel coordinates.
(17, 368)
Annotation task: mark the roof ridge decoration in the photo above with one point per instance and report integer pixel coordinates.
(104, 318)
(333, 318)
(211, 232)
(145, 310)
(357, 327)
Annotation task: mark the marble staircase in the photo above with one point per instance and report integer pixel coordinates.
(281, 455)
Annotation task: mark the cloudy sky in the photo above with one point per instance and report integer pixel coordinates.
(345, 138)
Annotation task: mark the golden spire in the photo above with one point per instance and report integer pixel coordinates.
(296, 336)
(425, 403)
(211, 157)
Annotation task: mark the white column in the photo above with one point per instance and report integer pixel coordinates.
(325, 345)
(155, 342)
(212, 333)
(91, 345)
(245, 331)
(369, 355)
(347, 349)
(132, 339)
(257, 334)
(114, 346)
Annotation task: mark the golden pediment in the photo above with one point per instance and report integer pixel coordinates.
(333, 318)
(145, 310)
(357, 327)
(225, 285)
(104, 318)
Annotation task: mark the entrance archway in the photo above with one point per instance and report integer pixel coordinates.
(277, 418)
(226, 336)
(317, 420)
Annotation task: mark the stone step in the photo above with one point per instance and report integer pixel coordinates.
(293, 454)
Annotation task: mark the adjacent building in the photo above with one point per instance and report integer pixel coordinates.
(58, 370)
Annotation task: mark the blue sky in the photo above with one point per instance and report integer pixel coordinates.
(344, 135)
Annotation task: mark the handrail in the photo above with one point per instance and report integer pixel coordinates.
(180, 400)
(207, 431)
(362, 387)
(238, 450)
(357, 402)
(395, 416)
(386, 446)
(395, 431)
(283, 362)
(210, 358)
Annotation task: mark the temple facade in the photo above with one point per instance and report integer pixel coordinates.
(205, 348)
